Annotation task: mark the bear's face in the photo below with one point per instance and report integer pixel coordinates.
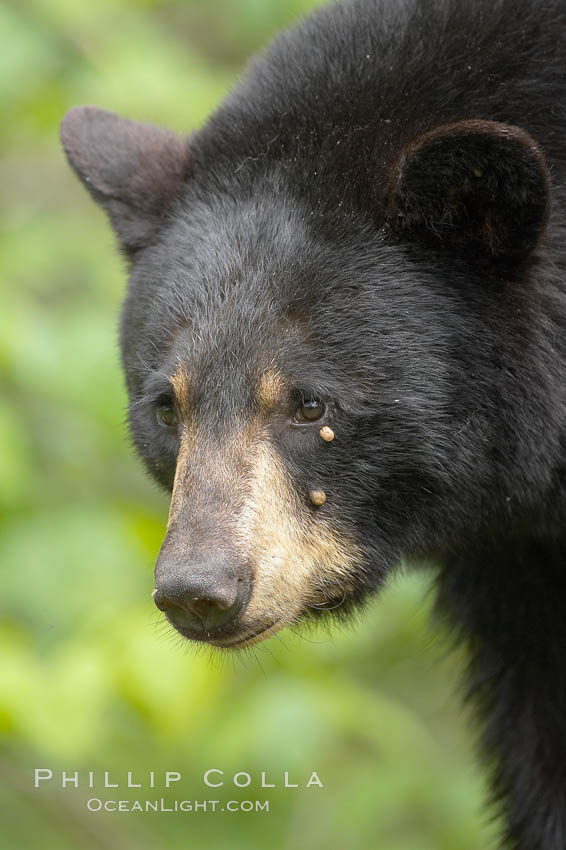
(253, 322)
(247, 330)
(247, 355)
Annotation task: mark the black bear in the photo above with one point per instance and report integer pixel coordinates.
(344, 342)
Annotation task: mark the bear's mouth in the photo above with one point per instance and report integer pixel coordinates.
(233, 639)
(249, 637)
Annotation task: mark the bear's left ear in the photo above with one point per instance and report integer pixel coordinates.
(476, 188)
(133, 170)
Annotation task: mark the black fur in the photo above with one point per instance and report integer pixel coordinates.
(378, 210)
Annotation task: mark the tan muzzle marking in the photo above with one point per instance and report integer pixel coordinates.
(298, 558)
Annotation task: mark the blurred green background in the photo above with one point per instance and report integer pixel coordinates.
(91, 679)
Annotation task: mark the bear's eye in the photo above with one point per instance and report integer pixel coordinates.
(166, 415)
(309, 411)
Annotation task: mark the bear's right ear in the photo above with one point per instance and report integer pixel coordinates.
(133, 170)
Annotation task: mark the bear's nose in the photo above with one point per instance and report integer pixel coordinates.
(199, 602)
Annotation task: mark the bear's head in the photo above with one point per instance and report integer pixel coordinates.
(318, 370)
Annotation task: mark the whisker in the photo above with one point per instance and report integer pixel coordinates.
(330, 607)
(306, 639)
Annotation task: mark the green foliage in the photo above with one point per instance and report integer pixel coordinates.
(91, 679)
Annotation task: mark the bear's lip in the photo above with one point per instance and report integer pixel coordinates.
(248, 638)
(234, 638)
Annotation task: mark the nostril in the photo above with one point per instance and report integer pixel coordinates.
(222, 596)
(205, 608)
(160, 599)
(211, 608)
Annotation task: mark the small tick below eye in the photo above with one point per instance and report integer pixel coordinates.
(167, 416)
(317, 497)
(309, 411)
